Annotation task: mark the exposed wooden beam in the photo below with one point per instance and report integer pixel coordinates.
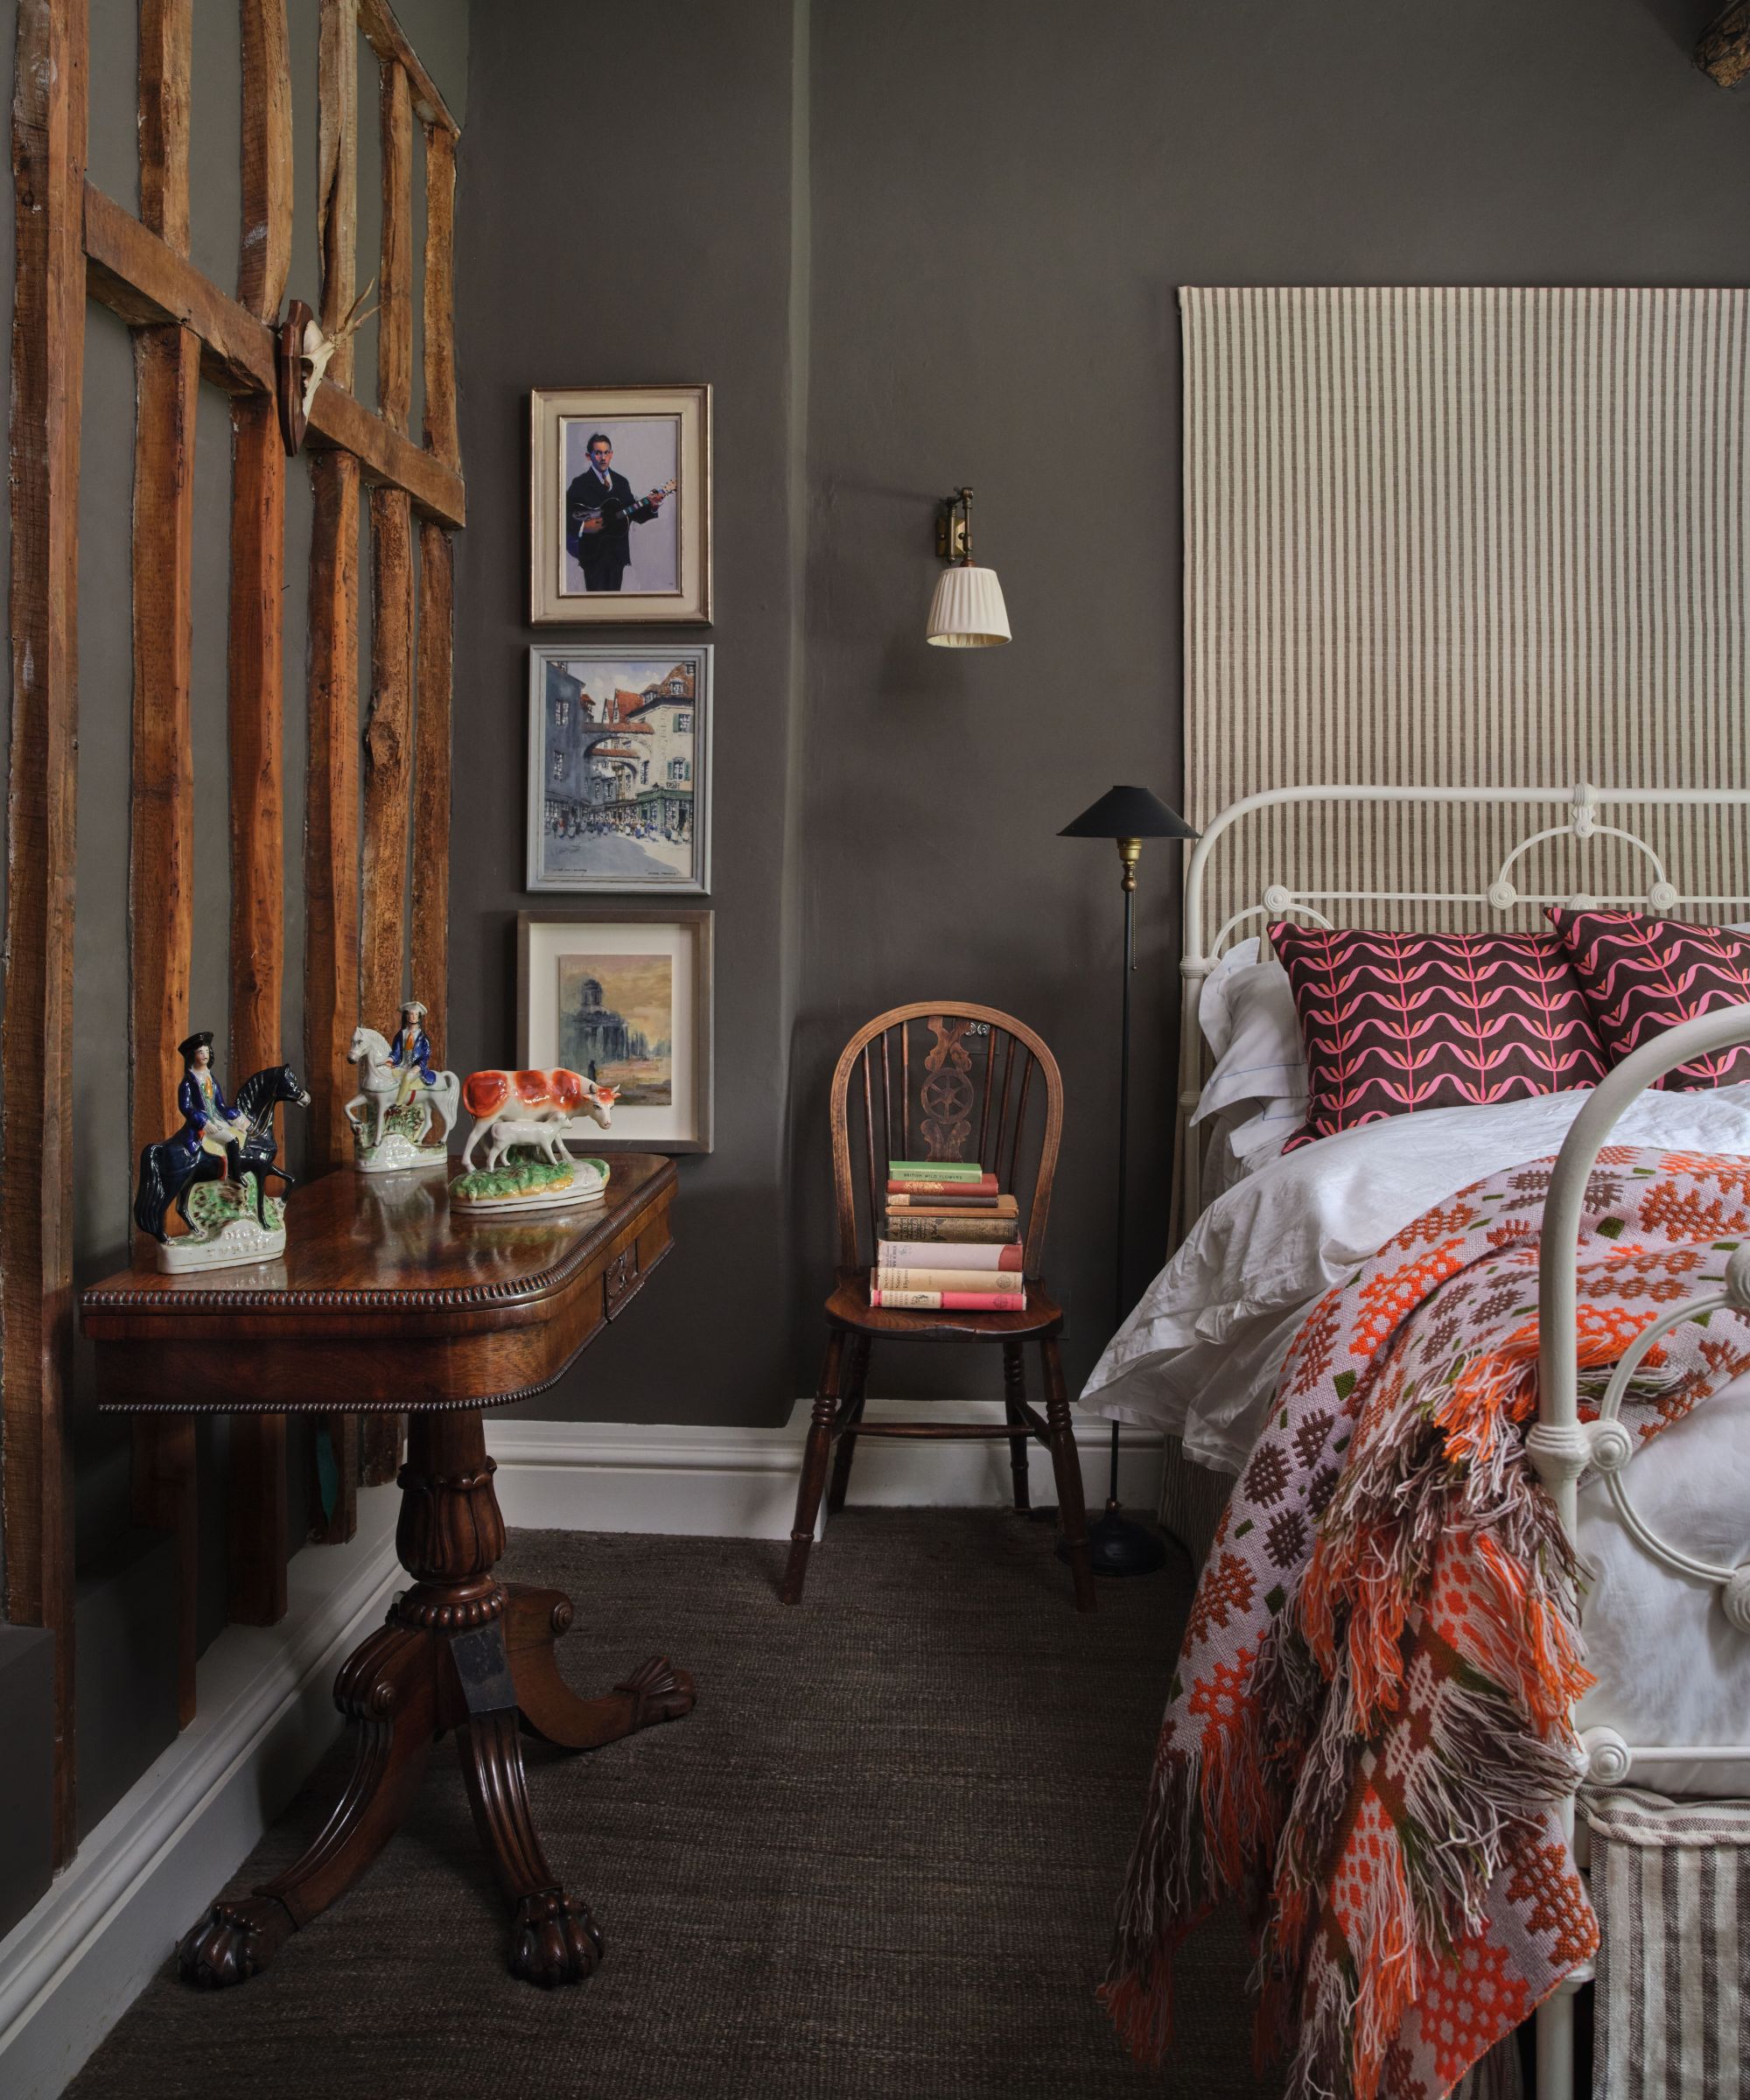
(166, 38)
(440, 297)
(257, 735)
(35, 1047)
(1724, 51)
(389, 782)
(389, 461)
(337, 153)
(388, 760)
(387, 38)
(137, 276)
(257, 1486)
(161, 862)
(330, 851)
(265, 254)
(395, 281)
(430, 932)
(161, 890)
(388, 729)
(331, 897)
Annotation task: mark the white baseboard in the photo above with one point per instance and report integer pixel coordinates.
(265, 1713)
(741, 1483)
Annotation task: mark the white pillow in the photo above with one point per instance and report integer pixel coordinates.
(1244, 1137)
(1247, 1014)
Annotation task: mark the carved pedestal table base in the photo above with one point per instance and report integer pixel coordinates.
(383, 1296)
(460, 1653)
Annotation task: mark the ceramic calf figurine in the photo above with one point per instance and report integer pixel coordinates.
(547, 1138)
(532, 1098)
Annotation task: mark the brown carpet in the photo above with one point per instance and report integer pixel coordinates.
(877, 1861)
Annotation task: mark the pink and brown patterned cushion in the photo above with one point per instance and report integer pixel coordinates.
(1397, 1022)
(1642, 976)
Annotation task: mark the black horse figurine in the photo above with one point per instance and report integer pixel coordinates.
(169, 1170)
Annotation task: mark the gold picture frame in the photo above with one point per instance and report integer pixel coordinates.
(620, 530)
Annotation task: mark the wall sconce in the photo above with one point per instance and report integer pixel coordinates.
(967, 612)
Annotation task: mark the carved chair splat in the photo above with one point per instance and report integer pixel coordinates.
(979, 1074)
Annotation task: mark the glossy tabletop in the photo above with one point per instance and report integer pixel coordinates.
(383, 1299)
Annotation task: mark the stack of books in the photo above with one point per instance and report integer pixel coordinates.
(953, 1242)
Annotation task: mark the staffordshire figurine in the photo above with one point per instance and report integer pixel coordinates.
(403, 1112)
(205, 1168)
(526, 1118)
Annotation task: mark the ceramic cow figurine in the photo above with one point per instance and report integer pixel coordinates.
(558, 1097)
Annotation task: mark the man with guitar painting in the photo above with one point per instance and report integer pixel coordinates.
(601, 511)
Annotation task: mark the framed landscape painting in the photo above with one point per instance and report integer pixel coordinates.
(619, 769)
(619, 489)
(623, 994)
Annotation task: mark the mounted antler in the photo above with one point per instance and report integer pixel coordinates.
(304, 355)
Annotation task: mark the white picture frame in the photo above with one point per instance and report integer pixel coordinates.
(617, 950)
(620, 748)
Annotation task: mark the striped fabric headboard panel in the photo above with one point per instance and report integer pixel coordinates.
(1464, 537)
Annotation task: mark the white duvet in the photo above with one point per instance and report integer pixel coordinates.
(1200, 1354)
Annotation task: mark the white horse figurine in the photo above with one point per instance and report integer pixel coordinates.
(379, 1082)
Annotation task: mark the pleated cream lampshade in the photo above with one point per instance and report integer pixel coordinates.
(968, 612)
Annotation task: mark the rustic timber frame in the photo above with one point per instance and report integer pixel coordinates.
(73, 242)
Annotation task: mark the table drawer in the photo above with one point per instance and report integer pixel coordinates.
(621, 1280)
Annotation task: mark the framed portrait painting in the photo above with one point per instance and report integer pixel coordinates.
(624, 994)
(620, 486)
(619, 768)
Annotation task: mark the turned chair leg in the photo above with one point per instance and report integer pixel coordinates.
(1014, 1393)
(813, 1483)
(1072, 1512)
(853, 1415)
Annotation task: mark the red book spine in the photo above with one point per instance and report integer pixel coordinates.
(984, 1185)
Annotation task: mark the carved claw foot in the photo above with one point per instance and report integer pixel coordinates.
(233, 1943)
(554, 1940)
(658, 1692)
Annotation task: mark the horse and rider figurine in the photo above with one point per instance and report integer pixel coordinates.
(402, 1100)
(231, 1144)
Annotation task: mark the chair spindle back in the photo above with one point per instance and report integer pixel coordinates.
(987, 1090)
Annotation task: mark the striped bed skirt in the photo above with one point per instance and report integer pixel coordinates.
(1671, 1882)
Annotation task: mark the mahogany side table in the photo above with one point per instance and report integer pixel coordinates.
(381, 1302)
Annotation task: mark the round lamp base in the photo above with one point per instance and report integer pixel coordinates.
(1118, 1545)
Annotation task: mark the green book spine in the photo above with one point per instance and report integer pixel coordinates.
(934, 1170)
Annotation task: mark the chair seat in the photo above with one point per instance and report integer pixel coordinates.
(849, 1306)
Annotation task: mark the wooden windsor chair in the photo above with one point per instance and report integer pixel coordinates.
(987, 1089)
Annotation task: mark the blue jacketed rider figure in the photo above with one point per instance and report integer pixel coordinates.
(411, 1053)
(209, 1123)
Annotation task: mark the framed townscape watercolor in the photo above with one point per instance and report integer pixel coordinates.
(619, 768)
(624, 994)
(621, 495)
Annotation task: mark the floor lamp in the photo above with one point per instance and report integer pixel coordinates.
(1117, 1543)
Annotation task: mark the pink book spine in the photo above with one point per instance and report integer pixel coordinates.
(945, 1254)
(950, 1301)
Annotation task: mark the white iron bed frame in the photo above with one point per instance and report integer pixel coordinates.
(1560, 1445)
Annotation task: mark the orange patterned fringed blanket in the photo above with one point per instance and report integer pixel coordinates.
(1368, 1730)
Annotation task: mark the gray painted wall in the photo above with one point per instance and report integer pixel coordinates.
(991, 207)
(668, 256)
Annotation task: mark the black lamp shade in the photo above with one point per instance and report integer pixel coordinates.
(1128, 813)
